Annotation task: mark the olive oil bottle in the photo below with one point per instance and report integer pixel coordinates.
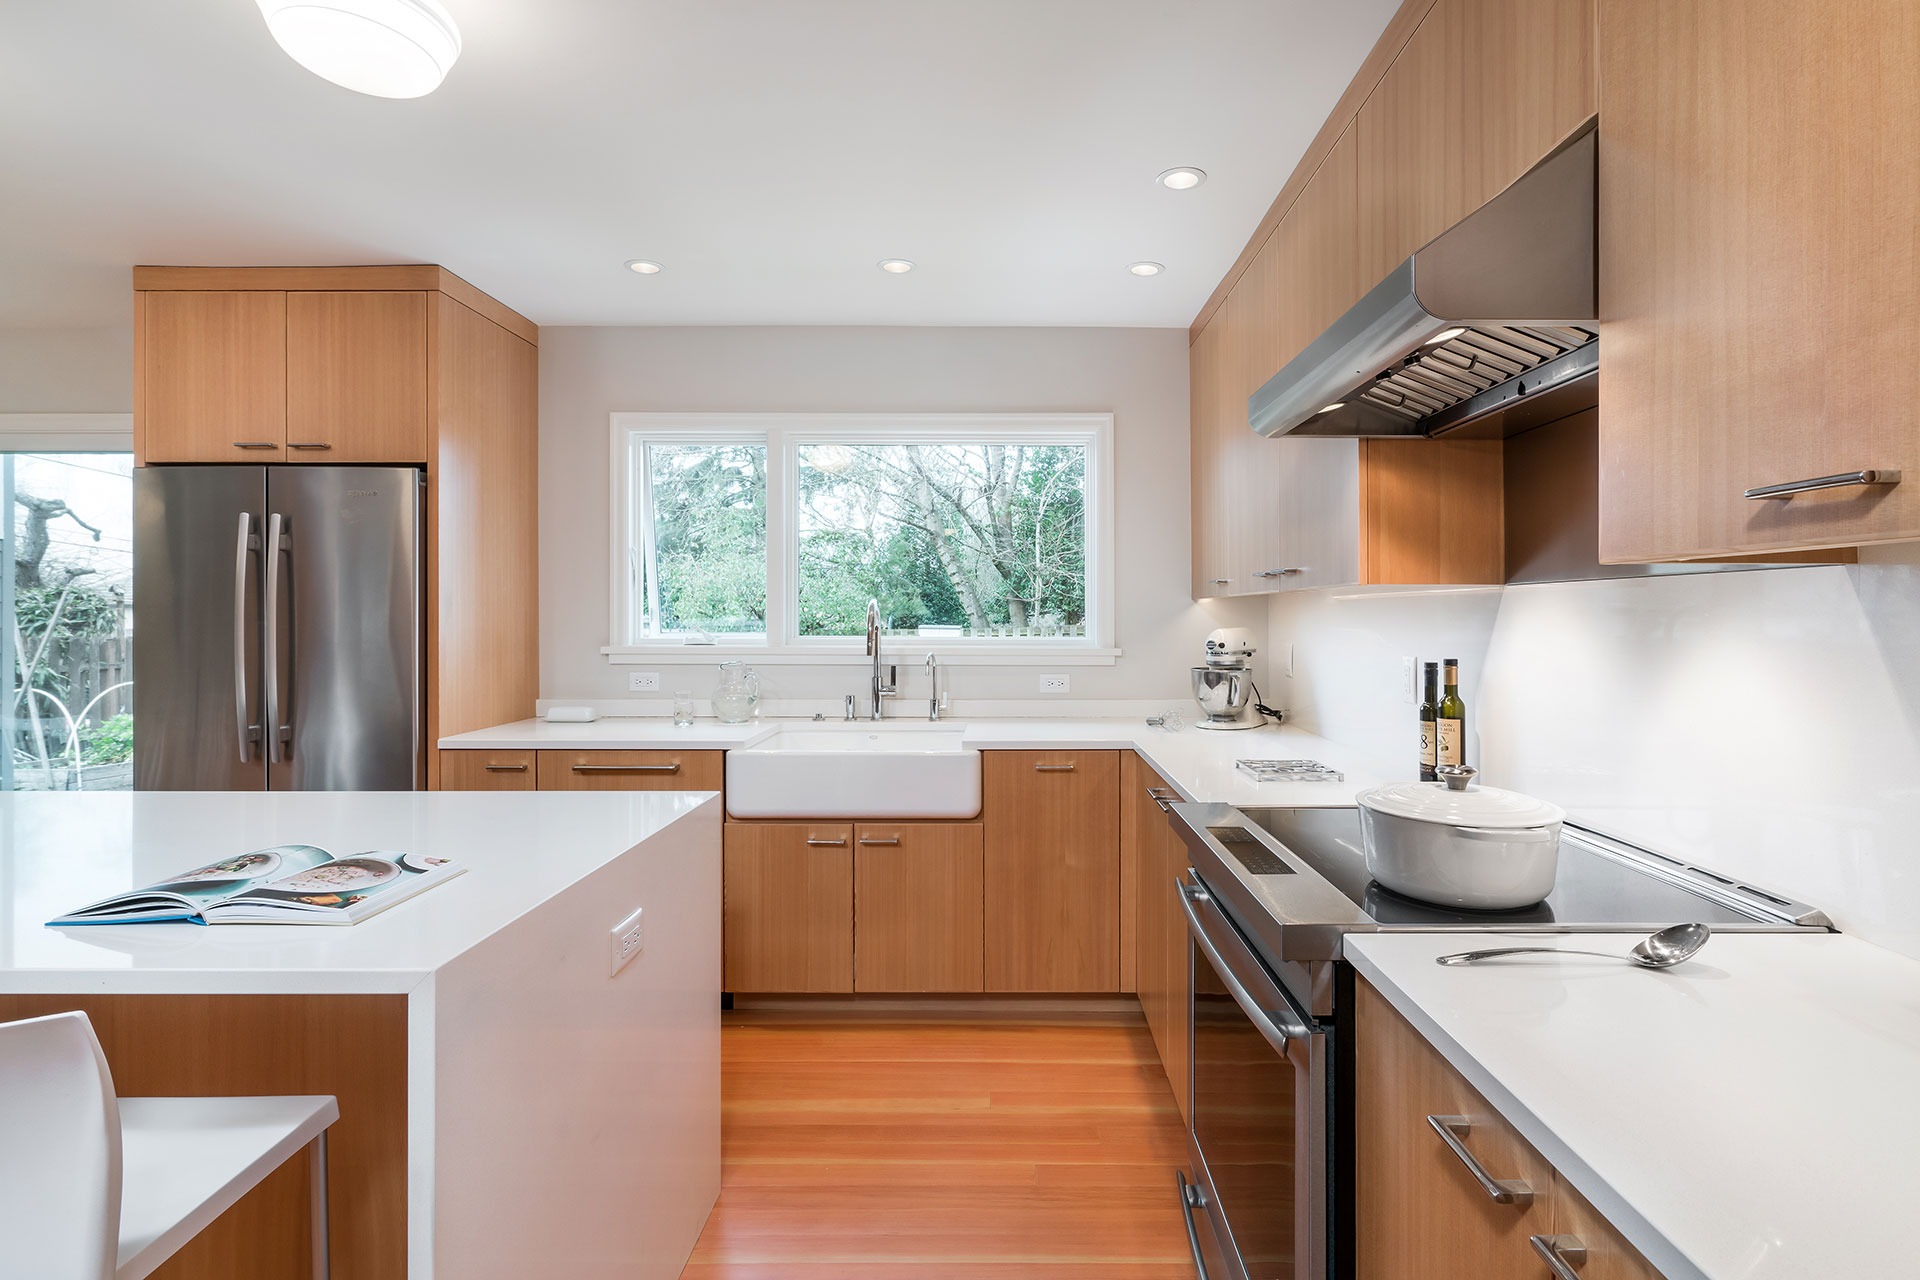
(1429, 714)
(1451, 722)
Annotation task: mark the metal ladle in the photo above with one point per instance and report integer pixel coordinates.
(1661, 950)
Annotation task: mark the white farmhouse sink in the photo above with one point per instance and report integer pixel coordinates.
(859, 771)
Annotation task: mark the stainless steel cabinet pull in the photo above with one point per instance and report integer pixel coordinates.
(1053, 768)
(833, 844)
(1561, 1254)
(895, 840)
(1452, 1129)
(247, 541)
(1845, 480)
(276, 542)
(1277, 1025)
(1277, 573)
(1218, 582)
(505, 768)
(1191, 1199)
(255, 444)
(310, 444)
(1162, 796)
(626, 768)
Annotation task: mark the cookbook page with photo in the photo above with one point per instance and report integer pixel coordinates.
(185, 895)
(347, 889)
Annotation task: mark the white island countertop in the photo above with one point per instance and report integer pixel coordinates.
(1198, 763)
(521, 849)
(1749, 1115)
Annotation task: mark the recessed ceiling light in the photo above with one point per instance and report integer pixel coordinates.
(1445, 335)
(1145, 268)
(1185, 178)
(387, 48)
(895, 266)
(642, 266)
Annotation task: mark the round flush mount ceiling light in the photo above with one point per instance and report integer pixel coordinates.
(643, 266)
(1185, 178)
(1145, 268)
(895, 266)
(386, 48)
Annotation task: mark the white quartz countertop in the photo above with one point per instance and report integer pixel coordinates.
(1749, 1115)
(1198, 763)
(62, 851)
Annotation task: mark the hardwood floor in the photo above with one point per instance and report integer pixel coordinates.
(871, 1146)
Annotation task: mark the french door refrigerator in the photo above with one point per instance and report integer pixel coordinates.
(278, 628)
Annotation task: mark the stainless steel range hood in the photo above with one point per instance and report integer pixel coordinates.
(1493, 312)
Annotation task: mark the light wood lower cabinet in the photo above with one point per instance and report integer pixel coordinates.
(789, 907)
(632, 770)
(1425, 1209)
(487, 771)
(1052, 870)
(918, 897)
(1156, 858)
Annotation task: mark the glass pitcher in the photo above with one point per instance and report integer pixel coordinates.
(737, 698)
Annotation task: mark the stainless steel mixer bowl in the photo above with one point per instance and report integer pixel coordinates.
(1222, 692)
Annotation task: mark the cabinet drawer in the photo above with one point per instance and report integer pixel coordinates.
(631, 770)
(789, 906)
(486, 771)
(918, 890)
(1608, 1255)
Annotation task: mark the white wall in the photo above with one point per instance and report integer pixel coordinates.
(66, 370)
(1765, 723)
(1138, 375)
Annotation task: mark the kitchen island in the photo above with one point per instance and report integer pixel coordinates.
(510, 1106)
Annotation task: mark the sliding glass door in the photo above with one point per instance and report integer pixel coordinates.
(66, 621)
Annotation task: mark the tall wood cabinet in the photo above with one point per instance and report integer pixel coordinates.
(1759, 274)
(385, 365)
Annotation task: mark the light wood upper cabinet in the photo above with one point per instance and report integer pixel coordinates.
(1052, 870)
(918, 898)
(1420, 1210)
(210, 376)
(357, 377)
(1759, 274)
(1483, 90)
(1212, 575)
(788, 915)
(1157, 857)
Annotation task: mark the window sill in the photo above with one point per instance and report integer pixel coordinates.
(896, 650)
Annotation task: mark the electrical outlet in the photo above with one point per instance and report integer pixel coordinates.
(643, 682)
(1289, 672)
(623, 943)
(1410, 679)
(1055, 684)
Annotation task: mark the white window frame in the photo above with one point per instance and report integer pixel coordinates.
(783, 434)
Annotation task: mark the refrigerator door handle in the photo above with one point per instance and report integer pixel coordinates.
(270, 662)
(246, 542)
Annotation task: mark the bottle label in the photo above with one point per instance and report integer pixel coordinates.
(1452, 742)
(1428, 746)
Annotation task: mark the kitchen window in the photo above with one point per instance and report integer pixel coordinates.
(985, 538)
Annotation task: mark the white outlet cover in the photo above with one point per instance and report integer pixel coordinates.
(1410, 679)
(643, 681)
(1289, 659)
(1055, 684)
(624, 943)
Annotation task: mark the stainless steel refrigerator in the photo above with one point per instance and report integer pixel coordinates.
(278, 628)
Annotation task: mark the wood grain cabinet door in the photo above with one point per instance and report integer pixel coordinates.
(632, 770)
(357, 377)
(1420, 1209)
(1608, 1255)
(1156, 857)
(917, 902)
(1759, 274)
(487, 771)
(789, 907)
(1052, 870)
(210, 375)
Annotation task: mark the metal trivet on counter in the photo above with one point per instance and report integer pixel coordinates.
(1289, 771)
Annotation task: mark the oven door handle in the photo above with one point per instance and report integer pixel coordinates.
(1277, 1025)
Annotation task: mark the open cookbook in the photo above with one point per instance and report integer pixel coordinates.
(287, 884)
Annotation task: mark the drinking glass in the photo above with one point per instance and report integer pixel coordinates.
(683, 708)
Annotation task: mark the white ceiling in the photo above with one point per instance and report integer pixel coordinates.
(768, 152)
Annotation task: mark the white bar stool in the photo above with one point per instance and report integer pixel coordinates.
(96, 1187)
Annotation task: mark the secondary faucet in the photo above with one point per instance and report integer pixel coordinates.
(933, 689)
(880, 691)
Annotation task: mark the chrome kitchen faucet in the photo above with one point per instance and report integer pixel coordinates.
(880, 691)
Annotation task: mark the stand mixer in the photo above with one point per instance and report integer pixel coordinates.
(1224, 687)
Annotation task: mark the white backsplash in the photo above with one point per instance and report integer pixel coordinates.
(1764, 723)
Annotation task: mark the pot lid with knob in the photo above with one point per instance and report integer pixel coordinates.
(1456, 802)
